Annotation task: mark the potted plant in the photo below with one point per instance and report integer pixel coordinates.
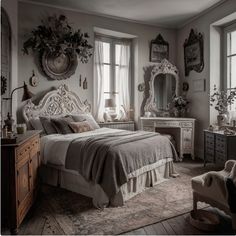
(58, 46)
(180, 106)
(221, 100)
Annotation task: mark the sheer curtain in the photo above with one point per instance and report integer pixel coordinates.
(123, 77)
(98, 82)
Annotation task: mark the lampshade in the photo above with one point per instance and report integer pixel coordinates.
(109, 102)
(27, 94)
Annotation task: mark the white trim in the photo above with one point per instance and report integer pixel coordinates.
(227, 29)
(125, 19)
(202, 13)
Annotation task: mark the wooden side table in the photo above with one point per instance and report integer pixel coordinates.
(218, 147)
(19, 177)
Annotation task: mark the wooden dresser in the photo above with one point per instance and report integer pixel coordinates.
(19, 177)
(128, 125)
(218, 147)
(182, 129)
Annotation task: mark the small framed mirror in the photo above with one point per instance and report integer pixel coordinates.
(159, 49)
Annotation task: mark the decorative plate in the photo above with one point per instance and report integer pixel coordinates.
(141, 87)
(59, 67)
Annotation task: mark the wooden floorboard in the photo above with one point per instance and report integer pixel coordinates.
(168, 228)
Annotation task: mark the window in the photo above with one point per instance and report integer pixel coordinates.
(112, 76)
(230, 68)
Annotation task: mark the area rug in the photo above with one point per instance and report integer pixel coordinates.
(76, 215)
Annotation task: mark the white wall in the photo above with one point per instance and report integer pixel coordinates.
(30, 16)
(11, 7)
(200, 100)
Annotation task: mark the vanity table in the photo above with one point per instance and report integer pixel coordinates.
(182, 129)
(163, 87)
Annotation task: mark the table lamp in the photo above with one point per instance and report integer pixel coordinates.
(109, 103)
(26, 95)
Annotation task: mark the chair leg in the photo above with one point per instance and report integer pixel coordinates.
(195, 203)
(234, 222)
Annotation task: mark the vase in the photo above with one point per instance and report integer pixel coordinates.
(177, 113)
(222, 119)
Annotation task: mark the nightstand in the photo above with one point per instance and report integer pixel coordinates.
(129, 125)
(218, 147)
(20, 163)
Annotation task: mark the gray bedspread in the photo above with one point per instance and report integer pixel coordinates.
(107, 159)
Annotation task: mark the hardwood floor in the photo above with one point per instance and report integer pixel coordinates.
(180, 226)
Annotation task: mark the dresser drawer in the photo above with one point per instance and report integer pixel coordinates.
(210, 157)
(187, 124)
(210, 151)
(35, 146)
(148, 122)
(23, 151)
(167, 124)
(149, 128)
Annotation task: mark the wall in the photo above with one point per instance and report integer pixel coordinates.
(30, 16)
(200, 100)
(11, 7)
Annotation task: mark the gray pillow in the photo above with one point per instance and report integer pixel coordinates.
(86, 117)
(36, 123)
(48, 126)
(62, 124)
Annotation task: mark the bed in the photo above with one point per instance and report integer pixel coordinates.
(108, 165)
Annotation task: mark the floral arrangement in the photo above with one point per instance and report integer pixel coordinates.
(57, 36)
(221, 99)
(180, 103)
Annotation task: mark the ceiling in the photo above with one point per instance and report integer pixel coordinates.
(165, 13)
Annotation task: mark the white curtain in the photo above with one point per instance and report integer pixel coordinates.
(98, 82)
(123, 78)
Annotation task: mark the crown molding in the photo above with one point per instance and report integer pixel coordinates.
(163, 26)
(202, 13)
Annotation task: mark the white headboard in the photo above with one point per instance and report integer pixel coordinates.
(56, 103)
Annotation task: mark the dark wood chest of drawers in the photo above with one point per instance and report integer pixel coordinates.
(19, 178)
(218, 147)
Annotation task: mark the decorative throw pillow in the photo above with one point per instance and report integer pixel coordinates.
(80, 127)
(62, 124)
(36, 124)
(48, 126)
(86, 117)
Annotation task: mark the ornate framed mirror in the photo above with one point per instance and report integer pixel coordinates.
(164, 85)
(193, 53)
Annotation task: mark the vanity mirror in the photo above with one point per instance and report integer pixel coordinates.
(164, 85)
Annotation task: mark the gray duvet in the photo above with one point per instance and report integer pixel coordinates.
(107, 159)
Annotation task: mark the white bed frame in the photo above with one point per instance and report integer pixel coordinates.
(62, 102)
(56, 103)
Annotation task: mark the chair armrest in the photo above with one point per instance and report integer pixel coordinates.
(229, 165)
(215, 176)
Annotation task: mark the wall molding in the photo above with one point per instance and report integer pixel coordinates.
(125, 19)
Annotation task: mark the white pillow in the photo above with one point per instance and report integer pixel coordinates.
(88, 117)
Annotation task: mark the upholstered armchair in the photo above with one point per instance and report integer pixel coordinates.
(217, 188)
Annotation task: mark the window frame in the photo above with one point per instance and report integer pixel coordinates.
(227, 29)
(113, 41)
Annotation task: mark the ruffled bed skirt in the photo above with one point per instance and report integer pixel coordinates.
(139, 180)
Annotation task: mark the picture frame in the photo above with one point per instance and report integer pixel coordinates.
(193, 53)
(159, 49)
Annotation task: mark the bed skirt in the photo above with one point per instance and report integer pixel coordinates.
(139, 180)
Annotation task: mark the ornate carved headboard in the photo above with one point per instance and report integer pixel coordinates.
(56, 103)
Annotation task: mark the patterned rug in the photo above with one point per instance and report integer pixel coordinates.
(76, 215)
